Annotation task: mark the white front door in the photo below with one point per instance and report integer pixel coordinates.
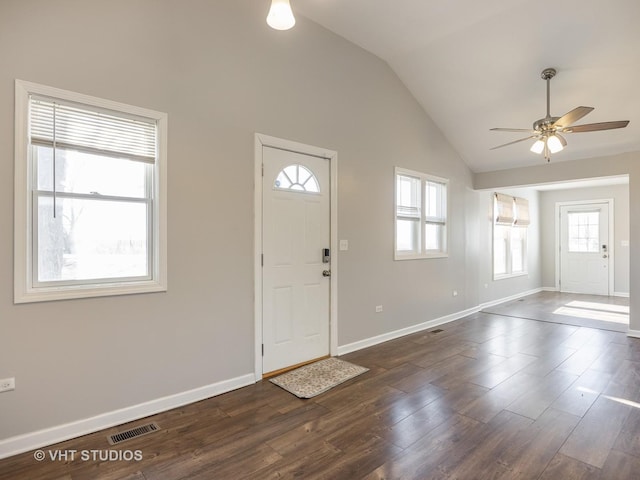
(584, 248)
(295, 246)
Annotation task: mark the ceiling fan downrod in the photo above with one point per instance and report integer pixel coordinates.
(548, 74)
(545, 124)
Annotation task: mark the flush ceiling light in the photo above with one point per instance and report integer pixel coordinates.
(280, 16)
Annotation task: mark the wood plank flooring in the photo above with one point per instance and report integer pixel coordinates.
(489, 397)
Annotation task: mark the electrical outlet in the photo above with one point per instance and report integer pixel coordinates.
(7, 384)
(455, 293)
(378, 308)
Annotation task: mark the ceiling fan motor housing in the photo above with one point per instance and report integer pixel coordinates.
(545, 124)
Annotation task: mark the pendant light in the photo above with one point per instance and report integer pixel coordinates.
(280, 16)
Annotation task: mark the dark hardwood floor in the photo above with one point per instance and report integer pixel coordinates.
(489, 397)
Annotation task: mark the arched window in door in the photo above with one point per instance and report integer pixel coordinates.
(297, 178)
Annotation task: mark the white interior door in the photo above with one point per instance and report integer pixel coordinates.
(584, 248)
(296, 274)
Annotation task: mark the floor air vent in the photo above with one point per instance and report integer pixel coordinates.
(117, 438)
(437, 330)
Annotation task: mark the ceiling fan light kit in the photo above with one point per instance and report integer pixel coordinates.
(547, 131)
(554, 143)
(537, 147)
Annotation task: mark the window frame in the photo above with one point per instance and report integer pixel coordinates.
(510, 229)
(424, 219)
(302, 185)
(588, 238)
(26, 287)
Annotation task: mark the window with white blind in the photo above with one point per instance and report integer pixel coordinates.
(420, 215)
(90, 209)
(511, 219)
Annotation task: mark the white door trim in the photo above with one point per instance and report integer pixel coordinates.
(262, 140)
(611, 239)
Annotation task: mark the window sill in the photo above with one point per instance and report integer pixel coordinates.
(422, 256)
(510, 275)
(47, 294)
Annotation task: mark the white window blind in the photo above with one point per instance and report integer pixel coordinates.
(408, 201)
(522, 212)
(504, 209)
(93, 130)
(511, 219)
(436, 202)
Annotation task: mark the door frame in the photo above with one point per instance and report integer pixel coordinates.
(610, 240)
(261, 141)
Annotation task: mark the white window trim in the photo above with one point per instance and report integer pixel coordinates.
(24, 292)
(509, 259)
(503, 276)
(424, 177)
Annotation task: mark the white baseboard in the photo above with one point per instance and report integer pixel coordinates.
(621, 294)
(385, 337)
(633, 333)
(41, 438)
(493, 303)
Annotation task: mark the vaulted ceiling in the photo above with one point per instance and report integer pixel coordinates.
(474, 65)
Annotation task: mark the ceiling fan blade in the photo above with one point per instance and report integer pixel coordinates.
(572, 116)
(511, 130)
(515, 141)
(594, 127)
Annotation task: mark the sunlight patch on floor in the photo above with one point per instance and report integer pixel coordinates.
(624, 401)
(606, 307)
(587, 390)
(595, 311)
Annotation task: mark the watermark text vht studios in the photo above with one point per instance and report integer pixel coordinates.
(88, 455)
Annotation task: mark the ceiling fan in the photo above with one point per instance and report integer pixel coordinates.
(547, 131)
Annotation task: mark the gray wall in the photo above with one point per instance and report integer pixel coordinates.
(221, 74)
(620, 196)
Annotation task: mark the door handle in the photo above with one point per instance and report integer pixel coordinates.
(326, 273)
(605, 256)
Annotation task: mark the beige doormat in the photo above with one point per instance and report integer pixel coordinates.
(318, 377)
